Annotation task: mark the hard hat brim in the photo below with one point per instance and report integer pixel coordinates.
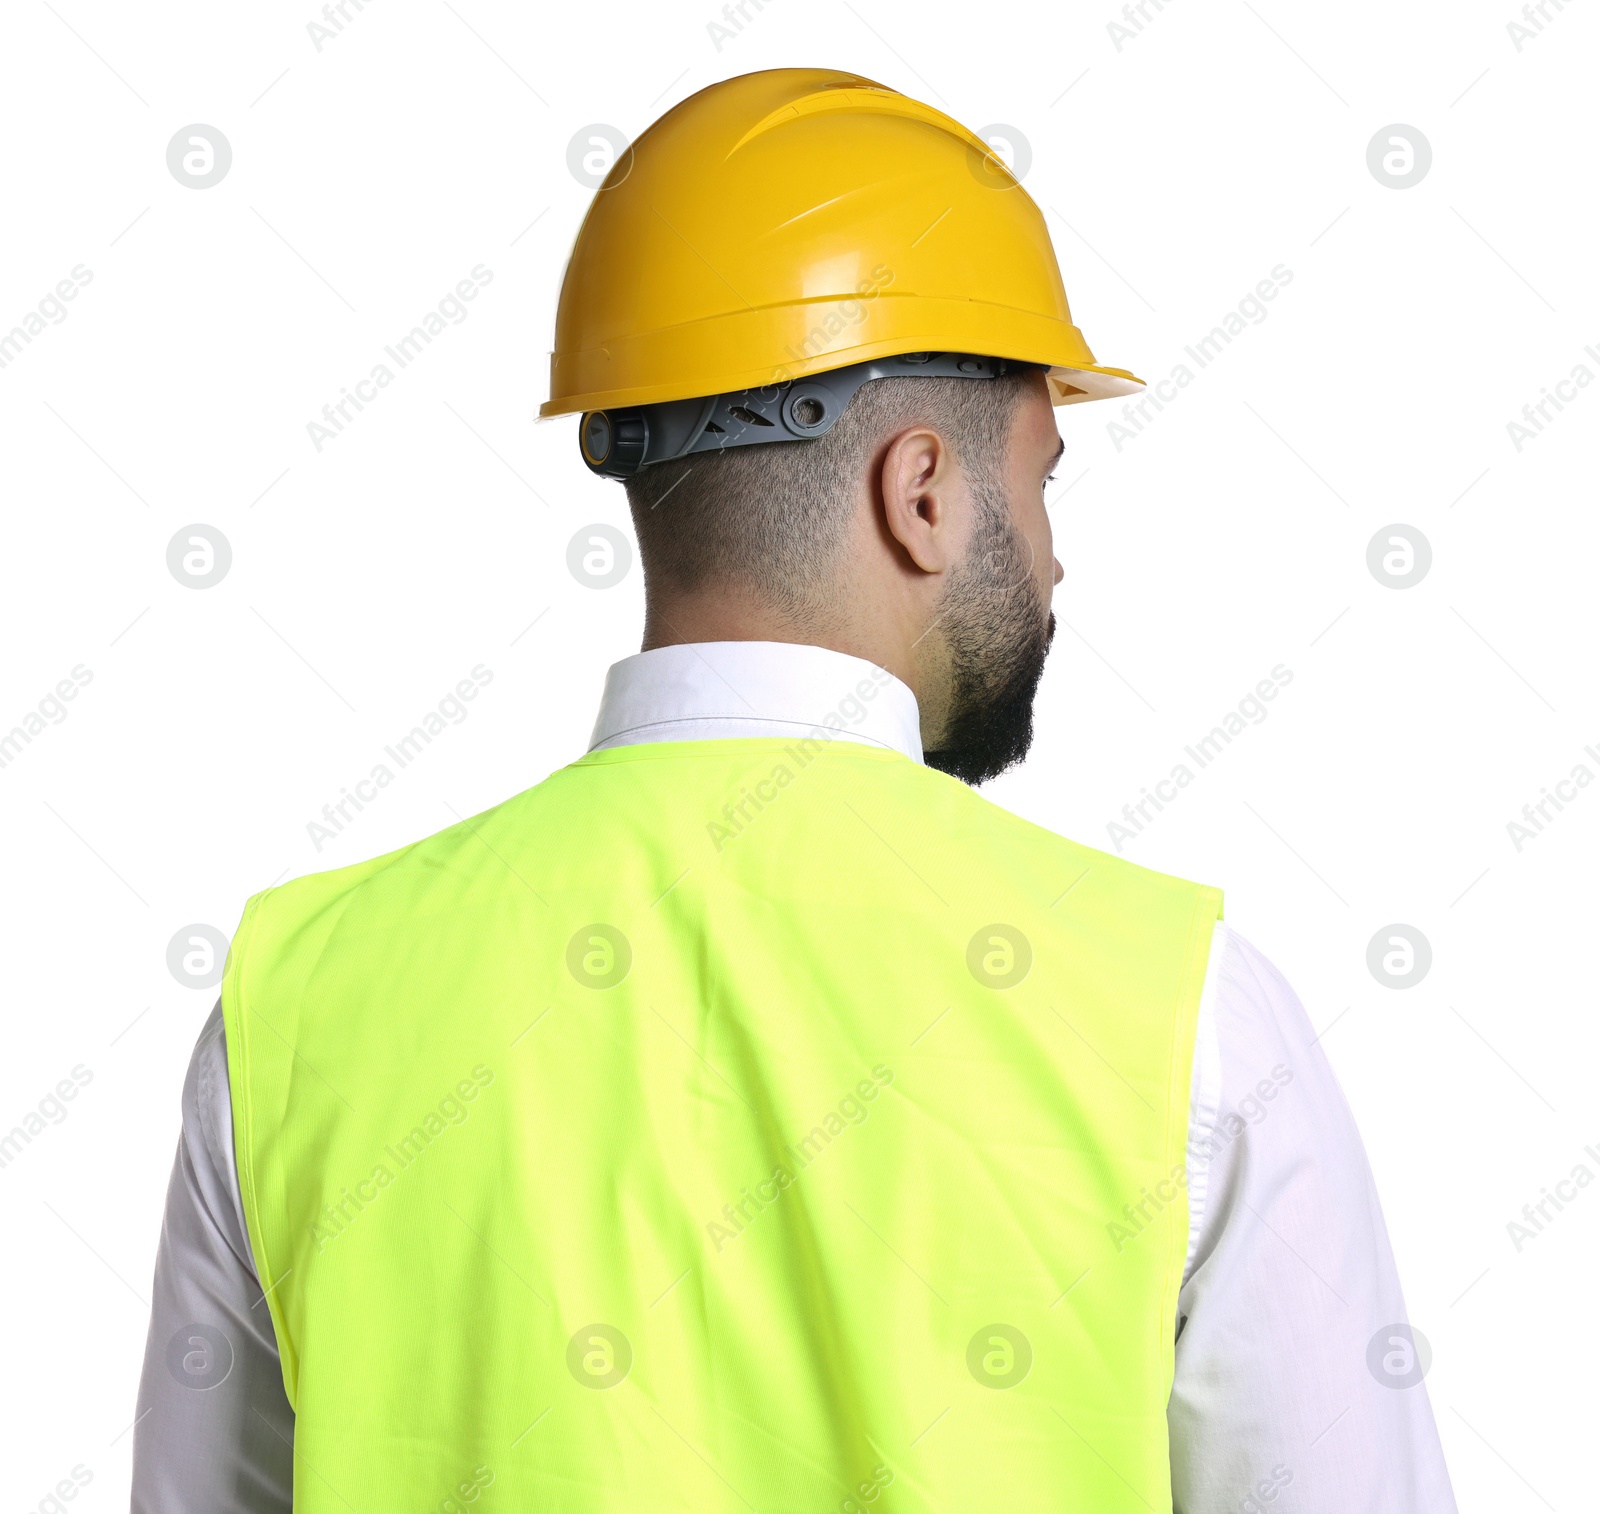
(1072, 386)
(698, 358)
(1068, 386)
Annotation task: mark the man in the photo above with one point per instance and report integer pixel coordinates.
(751, 1116)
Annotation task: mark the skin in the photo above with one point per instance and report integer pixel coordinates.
(911, 526)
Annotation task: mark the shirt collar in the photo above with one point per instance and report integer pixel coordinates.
(712, 689)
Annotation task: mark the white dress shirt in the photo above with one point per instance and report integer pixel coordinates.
(1289, 1278)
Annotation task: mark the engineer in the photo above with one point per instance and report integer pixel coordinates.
(751, 1116)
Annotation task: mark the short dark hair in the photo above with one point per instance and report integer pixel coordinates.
(773, 517)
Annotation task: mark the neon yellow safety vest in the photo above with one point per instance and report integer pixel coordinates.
(723, 1126)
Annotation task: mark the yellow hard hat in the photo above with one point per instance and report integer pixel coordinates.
(797, 221)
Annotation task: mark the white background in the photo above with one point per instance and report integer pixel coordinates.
(1219, 141)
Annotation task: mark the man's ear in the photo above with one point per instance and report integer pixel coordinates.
(921, 486)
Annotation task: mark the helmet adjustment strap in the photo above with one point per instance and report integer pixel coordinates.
(619, 443)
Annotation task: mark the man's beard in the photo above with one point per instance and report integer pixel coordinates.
(999, 635)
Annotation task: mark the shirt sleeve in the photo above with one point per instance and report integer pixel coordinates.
(1297, 1385)
(214, 1433)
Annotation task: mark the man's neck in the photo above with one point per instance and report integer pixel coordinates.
(733, 617)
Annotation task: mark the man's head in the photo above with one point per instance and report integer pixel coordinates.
(913, 534)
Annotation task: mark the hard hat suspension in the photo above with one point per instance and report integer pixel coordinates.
(618, 443)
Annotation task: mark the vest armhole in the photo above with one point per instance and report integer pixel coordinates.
(1186, 1008)
(235, 1016)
